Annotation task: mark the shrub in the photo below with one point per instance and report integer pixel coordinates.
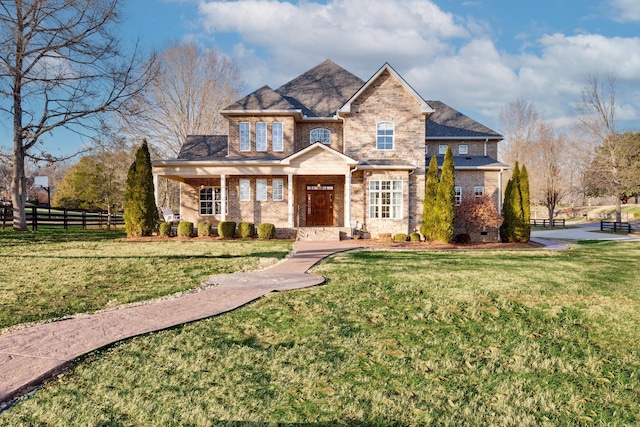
(385, 237)
(463, 238)
(204, 229)
(164, 229)
(140, 211)
(400, 237)
(185, 229)
(266, 231)
(226, 229)
(246, 229)
(636, 215)
(414, 237)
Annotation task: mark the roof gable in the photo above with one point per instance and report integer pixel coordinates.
(318, 146)
(424, 106)
(447, 122)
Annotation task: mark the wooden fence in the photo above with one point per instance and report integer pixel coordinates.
(65, 218)
(547, 223)
(625, 227)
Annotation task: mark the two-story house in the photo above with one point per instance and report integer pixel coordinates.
(328, 151)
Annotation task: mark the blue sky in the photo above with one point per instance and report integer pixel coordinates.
(475, 55)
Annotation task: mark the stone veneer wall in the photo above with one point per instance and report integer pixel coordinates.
(288, 135)
(387, 100)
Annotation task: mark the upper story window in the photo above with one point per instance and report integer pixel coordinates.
(384, 136)
(463, 149)
(320, 135)
(442, 149)
(276, 136)
(261, 136)
(245, 136)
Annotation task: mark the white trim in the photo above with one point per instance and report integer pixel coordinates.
(240, 133)
(280, 136)
(347, 199)
(464, 138)
(458, 190)
(318, 145)
(273, 189)
(425, 108)
(391, 205)
(223, 197)
(466, 149)
(290, 200)
(261, 137)
(311, 141)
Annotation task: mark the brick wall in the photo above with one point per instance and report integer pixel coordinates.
(475, 147)
(288, 134)
(303, 130)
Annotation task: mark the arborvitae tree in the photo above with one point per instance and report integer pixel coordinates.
(506, 229)
(445, 209)
(428, 208)
(140, 211)
(523, 182)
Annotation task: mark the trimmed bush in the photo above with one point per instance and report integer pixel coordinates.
(636, 215)
(385, 237)
(204, 229)
(400, 237)
(140, 211)
(185, 229)
(414, 237)
(266, 231)
(164, 229)
(226, 229)
(463, 238)
(246, 229)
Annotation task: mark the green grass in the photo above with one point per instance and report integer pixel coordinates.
(508, 338)
(50, 274)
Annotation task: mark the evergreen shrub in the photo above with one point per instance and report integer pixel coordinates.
(204, 229)
(246, 229)
(400, 237)
(185, 229)
(226, 229)
(414, 237)
(266, 231)
(164, 229)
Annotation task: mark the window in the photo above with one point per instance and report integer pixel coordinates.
(478, 192)
(320, 135)
(384, 136)
(245, 190)
(211, 201)
(245, 136)
(277, 190)
(385, 199)
(261, 189)
(442, 149)
(463, 149)
(276, 136)
(261, 136)
(458, 191)
(426, 149)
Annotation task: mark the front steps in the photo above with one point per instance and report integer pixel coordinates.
(321, 233)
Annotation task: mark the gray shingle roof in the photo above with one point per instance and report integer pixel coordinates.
(449, 123)
(204, 147)
(471, 162)
(264, 98)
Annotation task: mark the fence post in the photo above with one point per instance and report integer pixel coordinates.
(34, 218)
(601, 226)
(65, 221)
(84, 220)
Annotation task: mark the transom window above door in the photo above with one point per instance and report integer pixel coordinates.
(320, 135)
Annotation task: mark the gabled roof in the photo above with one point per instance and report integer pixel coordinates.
(424, 106)
(447, 123)
(322, 90)
(319, 146)
(204, 147)
(262, 99)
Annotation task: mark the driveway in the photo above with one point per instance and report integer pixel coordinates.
(583, 231)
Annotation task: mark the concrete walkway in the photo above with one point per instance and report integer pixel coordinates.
(583, 231)
(31, 355)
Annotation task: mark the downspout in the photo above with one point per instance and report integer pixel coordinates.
(485, 146)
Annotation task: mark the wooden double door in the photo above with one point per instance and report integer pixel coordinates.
(319, 205)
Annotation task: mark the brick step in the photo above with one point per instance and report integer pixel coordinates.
(319, 233)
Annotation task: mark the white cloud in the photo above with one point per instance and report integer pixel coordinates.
(444, 57)
(626, 10)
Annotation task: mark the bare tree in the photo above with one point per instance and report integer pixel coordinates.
(186, 97)
(519, 121)
(597, 108)
(551, 151)
(61, 66)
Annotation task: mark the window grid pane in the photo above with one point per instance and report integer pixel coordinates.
(384, 136)
(478, 191)
(261, 136)
(245, 190)
(277, 190)
(458, 191)
(276, 136)
(320, 135)
(385, 199)
(245, 136)
(261, 189)
(463, 149)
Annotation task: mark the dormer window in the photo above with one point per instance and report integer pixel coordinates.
(320, 135)
(384, 136)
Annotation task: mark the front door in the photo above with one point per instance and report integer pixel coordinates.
(319, 205)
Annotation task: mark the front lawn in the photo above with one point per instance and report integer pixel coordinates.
(53, 273)
(509, 338)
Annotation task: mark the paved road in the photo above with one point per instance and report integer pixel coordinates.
(583, 231)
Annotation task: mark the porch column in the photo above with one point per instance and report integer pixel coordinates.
(290, 200)
(223, 197)
(156, 193)
(347, 199)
